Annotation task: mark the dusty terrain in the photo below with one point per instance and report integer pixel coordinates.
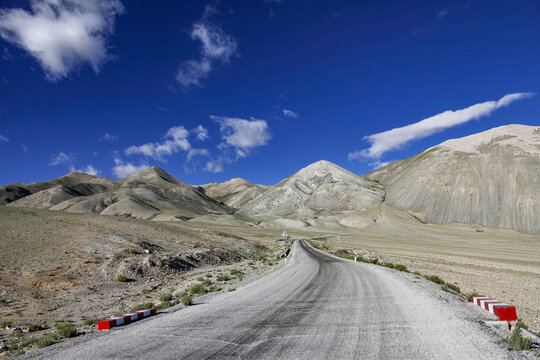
(63, 267)
(502, 264)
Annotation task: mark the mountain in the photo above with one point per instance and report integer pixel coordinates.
(234, 193)
(73, 184)
(491, 178)
(321, 187)
(149, 194)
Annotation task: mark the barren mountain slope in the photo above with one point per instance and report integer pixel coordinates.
(321, 187)
(147, 195)
(234, 193)
(78, 182)
(491, 178)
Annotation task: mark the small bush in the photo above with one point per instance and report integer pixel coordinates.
(517, 341)
(90, 322)
(236, 272)
(4, 324)
(207, 282)
(389, 265)
(209, 275)
(143, 306)
(187, 300)
(28, 342)
(197, 290)
(200, 279)
(122, 278)
(46, 340)
(66, 330)
(435, 279)
(222, 278)
(164, 305)
(471, 295)
(33, 327)
(401, 267)
(454, 287)
(166, 297)
(214, 288)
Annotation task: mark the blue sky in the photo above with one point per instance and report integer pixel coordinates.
(255, 89)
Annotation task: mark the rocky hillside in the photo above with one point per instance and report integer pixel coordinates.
(149, 194)
(491, 178)
(234, 193)
(319, 188)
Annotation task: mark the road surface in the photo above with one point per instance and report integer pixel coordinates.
(316, 307)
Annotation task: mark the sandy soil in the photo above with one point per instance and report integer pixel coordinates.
(502, 264)
(62, 267)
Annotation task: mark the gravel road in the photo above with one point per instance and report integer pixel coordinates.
(316, 307)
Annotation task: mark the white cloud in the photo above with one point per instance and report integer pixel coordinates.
(214, 166)
(3, 139)
(201, 132)
(398, 137)
(290, 113)
(176, 140)
(108, 137)
(216, 46)
(380, 164)
(25, 148)
(62, 34)
(243, 135)
(90, 170)
(62, 158)
(442, 13)
(122, 169)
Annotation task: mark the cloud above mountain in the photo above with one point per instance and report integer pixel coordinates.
(62, 35)
(216, 47)
(398, 137)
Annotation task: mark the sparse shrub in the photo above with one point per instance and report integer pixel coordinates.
(4, 324)
(209, 275)
(200, 279)
(12, 345)
(214, 288)
(454, 287)
(33, 327)
(46, 340)
(401, 267)
(374, 261)
(222, 278)
(270, 263)
(236, 272)
(207, 282)
(166, 297)
(187, 300)
(122, 278)
(28, 342)
(197, 290)
(389, 265)
(143, 306)
(66, 330)
(471, 295)
(517, 341)
(435, 279)
(90, 322)
(164, 305)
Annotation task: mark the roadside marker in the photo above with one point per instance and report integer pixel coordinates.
(125, 319)
(503, 311)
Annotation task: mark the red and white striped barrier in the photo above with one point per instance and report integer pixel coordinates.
(125, 319)
(503, 311)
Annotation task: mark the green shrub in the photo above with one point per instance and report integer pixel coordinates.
(214, 288)
(236, 272)
(200, 279)
(517, 341)
(33, 327)
(90, 322)
(187, 300)
(166, 297)
(143, 306)
(122, 278)
(389, 265)
(207, 282)
(197, 290)
(4, 324)
(66, 330)
(222, 278)
(209, 275)
(28, 342)
(435, 279)
(46, 340)
(401, 267)
(454, 287)
(471, 295)
(164, 305)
